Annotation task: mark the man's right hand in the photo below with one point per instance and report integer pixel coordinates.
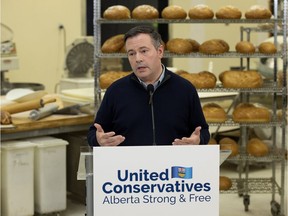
(109, 138)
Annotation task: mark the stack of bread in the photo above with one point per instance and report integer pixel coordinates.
(201, 80)
(107, 78)
(241, 79)
(213, 113)
(248, 112)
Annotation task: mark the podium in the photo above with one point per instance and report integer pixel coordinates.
(152, 180)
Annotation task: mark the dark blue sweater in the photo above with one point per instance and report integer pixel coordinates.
(125, 109)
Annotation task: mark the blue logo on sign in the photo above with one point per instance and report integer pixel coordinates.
(181, 172)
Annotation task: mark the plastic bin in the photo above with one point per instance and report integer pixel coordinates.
(50, 174)
(17, 167)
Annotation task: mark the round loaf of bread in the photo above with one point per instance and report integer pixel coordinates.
(173, 12)
(214, 46)
(214, 113)
(194, 44)
(258, 12)
(145, 12)
(113, 44)
(241, 79)
(117, 12)
(107, 78)
(225, 183)
(257, 148)
(201, 11)
(245, 47)
(227, 143)
(228, 12)
(179, 46)
(212, 141)
(247, 112)
(201, 80)
(267, 48)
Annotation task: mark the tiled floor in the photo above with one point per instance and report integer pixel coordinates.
(230, 204)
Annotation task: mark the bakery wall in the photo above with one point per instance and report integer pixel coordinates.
(39, 41)
(203, 32)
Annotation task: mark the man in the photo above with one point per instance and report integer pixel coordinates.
(152, 105)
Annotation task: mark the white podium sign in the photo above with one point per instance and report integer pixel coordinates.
(156, 180)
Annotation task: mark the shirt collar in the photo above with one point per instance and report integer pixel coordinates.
(157, 82)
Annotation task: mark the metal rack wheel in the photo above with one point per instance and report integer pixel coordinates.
(275, 208)
(246, 201)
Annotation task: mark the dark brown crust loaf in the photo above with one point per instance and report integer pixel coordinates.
(258, 12)
(179, 46)
(214, 46)
(117, 12)
(225, 183)
(145, 12)
(267, 48)
(201, 11)
(245, 47)
(241, 79)
(173, 12)
(228, 12)
(113, 44)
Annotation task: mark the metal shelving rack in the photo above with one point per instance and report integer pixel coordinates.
(242, 186)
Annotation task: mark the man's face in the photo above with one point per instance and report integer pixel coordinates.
(144, 58)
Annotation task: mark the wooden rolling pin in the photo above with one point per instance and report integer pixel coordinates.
(25, 106)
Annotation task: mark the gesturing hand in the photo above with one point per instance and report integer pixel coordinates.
(194, 139)
(109, 138)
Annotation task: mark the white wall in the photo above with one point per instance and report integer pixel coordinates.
(39, 42)
(202, 32)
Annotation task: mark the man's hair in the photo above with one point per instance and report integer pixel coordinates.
(155, 36)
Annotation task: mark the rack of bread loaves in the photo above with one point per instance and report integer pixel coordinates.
(248, 148)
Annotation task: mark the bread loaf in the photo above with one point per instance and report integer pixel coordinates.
(258, 12)
(214, 113)
(107, 78)
(173, 12)
(257, 147)
(247, 112)
(117, 12)
(145, 12)
(245, 47)
(214, 46)
(200, 11)
(225, 183)
(5, 118)
(212, 141)
(201, 80)
(228, 12)
(267, 48)
(179, 46)
(113, 44)
(241, 79)
(227, 143)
